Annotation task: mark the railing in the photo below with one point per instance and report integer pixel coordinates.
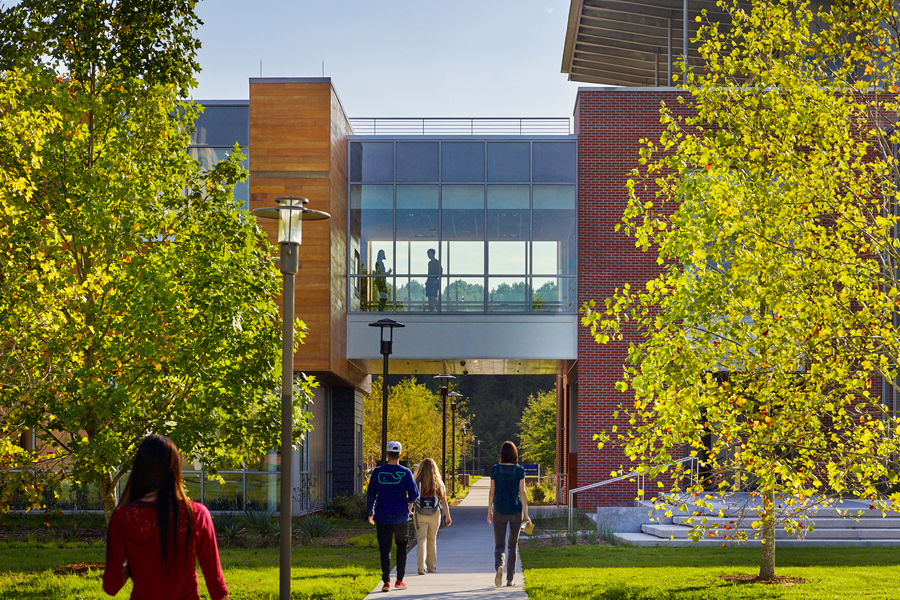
(461, 126)
(641, 479)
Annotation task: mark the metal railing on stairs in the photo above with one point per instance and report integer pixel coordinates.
(641, 480)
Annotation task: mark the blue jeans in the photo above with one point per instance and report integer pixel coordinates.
(501, 541)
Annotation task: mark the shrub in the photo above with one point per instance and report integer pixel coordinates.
(228, 526)
(538, 494)
(261, 521)
(346, 507)
(315, 526)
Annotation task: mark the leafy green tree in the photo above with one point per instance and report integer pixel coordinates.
(772, 211)
(135, 296)
(414, 419)
(537, 430)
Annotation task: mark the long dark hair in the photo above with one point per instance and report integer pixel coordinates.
(428, 478)
(509, 453)
(157, 468)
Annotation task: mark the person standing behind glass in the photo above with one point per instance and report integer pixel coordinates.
(507, 505)
(381, 280)
(433, 283)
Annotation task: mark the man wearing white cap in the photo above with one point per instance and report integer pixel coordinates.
(389, 500)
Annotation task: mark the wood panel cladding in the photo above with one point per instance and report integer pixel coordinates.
(298, 147)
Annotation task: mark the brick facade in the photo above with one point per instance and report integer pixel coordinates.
(610, 124)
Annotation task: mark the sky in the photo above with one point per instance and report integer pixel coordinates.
(395, 58)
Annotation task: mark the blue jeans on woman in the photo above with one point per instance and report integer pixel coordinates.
(510, 543)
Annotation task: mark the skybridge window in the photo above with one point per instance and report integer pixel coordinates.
(454, 225)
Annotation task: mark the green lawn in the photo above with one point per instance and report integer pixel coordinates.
(631, 573)
(26, 573)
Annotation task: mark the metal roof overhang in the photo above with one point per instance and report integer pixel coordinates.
(632, 43)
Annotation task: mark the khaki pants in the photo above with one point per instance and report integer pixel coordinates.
(426, 540)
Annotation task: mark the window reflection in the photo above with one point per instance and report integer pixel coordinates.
(372, 162)
(372, 223)
(508, 216)
(554, 162)
(553, 294)
(207, 157)
(507, 294)
(417, 212)
(427, 233)
(554, 237)
(462, 161)
(417, 161)
(509, 161)
(463, 294)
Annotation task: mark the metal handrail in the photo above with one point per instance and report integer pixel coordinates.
(641, 477)
(514, 126)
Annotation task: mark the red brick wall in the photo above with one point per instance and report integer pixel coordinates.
(609, 125)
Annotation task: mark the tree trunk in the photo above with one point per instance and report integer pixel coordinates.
(767, 559)
(108, 496)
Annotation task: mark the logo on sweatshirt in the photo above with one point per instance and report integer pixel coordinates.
(387, 478)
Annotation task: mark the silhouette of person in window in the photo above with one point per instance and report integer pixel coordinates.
(381, 280)
(433, 283)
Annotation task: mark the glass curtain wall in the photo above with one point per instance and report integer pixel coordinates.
(462, 226)
(218, 129)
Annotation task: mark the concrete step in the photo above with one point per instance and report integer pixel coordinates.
(643, 539)
(683, 532)
(818, 522)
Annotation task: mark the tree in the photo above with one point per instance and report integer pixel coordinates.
(135, 296)
(772, 212)
(537, 430)
(414, 419)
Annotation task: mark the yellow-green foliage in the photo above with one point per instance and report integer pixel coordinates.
(771, 213)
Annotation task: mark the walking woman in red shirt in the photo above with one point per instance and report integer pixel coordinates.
(157, 535)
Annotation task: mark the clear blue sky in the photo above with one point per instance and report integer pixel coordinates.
(395, 58)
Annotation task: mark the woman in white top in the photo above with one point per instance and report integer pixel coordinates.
(432, 496)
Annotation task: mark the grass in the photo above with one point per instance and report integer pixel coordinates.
(632, 573)
(26, 573)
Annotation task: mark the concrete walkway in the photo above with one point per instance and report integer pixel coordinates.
(465, 558)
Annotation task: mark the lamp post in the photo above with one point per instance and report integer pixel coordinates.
(462, 449)
(443, 379)
(387, 346)
(478, 469)
(290, 214)
(455, 396)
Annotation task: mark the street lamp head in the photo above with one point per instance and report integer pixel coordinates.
(390, 325)
(455, 396)
(290, 213)
(443, 379)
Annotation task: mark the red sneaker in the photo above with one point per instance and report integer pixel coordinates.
(400, 585)
(386, 587)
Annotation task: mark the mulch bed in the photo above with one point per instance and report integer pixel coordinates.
(777, 580)
(558, 542)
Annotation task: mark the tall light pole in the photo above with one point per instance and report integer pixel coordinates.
(387, 346)
(478, 468)
(462, 449)
(455, 396)
(443, 379)
(290, 214)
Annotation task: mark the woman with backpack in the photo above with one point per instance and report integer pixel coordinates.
(432, 497)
